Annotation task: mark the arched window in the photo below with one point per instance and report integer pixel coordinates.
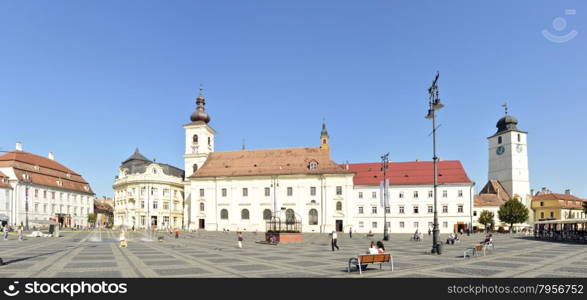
(195, 138)
(201, 206)
(245, 214)
(338, 206)
(313, 217)
(195, 166)
(209, 141)
(290, 216)
(519, 138)
(499, 139)
(313, 165)
(224, 214)
(266, 215)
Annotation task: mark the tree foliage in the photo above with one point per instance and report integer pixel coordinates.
(486, 217)
(92, 218)
(513, 212)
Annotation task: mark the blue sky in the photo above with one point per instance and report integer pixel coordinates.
(93, 80)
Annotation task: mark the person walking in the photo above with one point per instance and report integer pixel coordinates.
(5, 231)
(351, 232)
(177, 233)
(334, 241)
(239, 236)
(20, 235)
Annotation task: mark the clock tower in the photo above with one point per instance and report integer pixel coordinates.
(199, 138)
(508, 159)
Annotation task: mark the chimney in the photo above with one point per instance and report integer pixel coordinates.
(18, 146)
(567, 192)
(417, 159)
(51, 156)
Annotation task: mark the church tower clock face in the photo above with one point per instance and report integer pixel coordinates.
(500, 150)
(519, 148)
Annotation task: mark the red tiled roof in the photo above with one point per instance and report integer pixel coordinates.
(48, 173)
(410, 173)
(284, 161)
(492, 194)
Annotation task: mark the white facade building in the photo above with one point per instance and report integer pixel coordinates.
(145, 190)
(241, 190)
(5, 199)
(43, 190)
(411, 197)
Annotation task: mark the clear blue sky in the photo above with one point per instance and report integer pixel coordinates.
(92, 80)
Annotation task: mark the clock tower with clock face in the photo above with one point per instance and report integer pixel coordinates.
(508, 159)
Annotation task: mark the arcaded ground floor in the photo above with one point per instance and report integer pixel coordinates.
(215, 254)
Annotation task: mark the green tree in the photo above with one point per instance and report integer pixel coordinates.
(92, 218)
(486, 217)
(512, 212)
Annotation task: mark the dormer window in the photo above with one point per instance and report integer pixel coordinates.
(313, 165)
(86, 188)
(37, 168)
(59, 183)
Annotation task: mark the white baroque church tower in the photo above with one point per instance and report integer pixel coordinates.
(199, 143)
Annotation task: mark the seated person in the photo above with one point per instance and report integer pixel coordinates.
(380, 247)
(373, 249)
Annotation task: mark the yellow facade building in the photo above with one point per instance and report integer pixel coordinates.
(553, 206)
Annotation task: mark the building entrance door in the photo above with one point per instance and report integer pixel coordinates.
(339, 226)
(202, 224)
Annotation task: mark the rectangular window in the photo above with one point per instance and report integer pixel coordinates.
(374, 195)
(445, 209)
(53, 195)
(360, 195)
(541, 203)
(165, 205)
(142, 204)
(401, 195)
(201, 192)
(430, 209)
(339, 190)
(267, 192)
(474, 213)
(36, 193)
(313, 191)
(155, 204)
(460, 193)
(165, 192)
(416, 209)
(45, 194)
(445, 224)
(402, 224)
(387, 210)
(224, 192)
(289, 191)
(416, 194)
(551, 213)
(44, 208)
(401, 210)
(460, 208)
(416, 224)
(245, 192)
(430, 194)
(143, 219)
(444, 194)
(143, 191)
(373, 209)
(166, 220)
(360, 210)
(374, 225)
(361, 224)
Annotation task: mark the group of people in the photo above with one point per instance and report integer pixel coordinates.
(452, 238)
(19, 230)
(417, 236)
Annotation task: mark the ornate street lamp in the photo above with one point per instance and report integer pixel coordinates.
(434, 105)
(385, 162)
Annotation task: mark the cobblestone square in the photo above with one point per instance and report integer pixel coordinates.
(215, 254)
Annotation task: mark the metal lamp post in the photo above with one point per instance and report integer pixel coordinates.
(385, 161)
(434, 105)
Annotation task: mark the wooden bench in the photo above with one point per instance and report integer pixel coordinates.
(364, 259)
(476, 250)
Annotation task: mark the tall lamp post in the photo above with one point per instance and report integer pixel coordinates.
(434, 105)
(385, 161)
